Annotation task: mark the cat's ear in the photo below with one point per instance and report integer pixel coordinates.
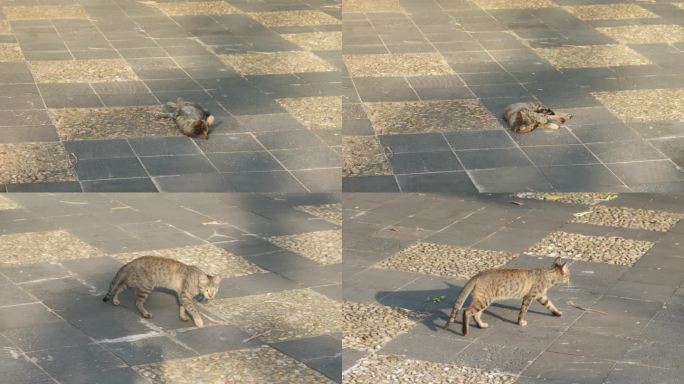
(558, 262)
(215, 279)
(518, 116)
(564, 269)
(204, 279)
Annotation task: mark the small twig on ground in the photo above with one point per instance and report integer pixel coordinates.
(570, 303)
(247, 340)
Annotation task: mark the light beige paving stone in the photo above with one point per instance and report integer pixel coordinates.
(329, 212)
(397, 64)
(283, 315)
(645, 34)
(368, 327)
(40, 247)
(207, 257)
(42, 12)
(111, 123)
(514, 4)
(324, 247)
(6, 203)
(585, 198)
(34, 163)
(629, 218)
(242, 366)
(591, 56)
(680, 5)
(316, 41)
(371, 6)
(274, 63)
(430, 116)
(81, 71)
(294, 18)
(609, 12)
(445, 260)
(363, 156)
(644, 105)
(197, 8)
(5, 27)
(10, 53)
(320, 112)
(395, 369)
(600, 249)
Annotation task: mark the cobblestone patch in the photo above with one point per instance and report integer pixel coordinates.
(644, 105)
(274, 63)
(197, 8)
(294, 18)
(111, 123)
(207, 257)
(39, 247)
(445, 260)
(397, 64)
(610, 12)
(6, 203)
(372, 6)
(430, 116)
(368, 327)
(5, 27)
(584, 198)
(316, 41)
(283, 315)
(612, 250)
(645, 34)
(43, 12)
(363, 156)
(514, 4)
(322, 112)
(324, 247)
(10, 53)
(591, 56)
(328, 212)
(81, 71)
(394, 369)
(629, 218)
(248, 366)
(34, 163)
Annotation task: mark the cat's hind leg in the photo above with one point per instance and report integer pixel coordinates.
(183, 315)
(549, 305)
(143, 293)
(523, 310)
(479, 321)
(117, 291)
(186, 302)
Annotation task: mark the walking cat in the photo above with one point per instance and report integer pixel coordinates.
(191, 119)
(493, 284)
(147, 272)
(526, 117)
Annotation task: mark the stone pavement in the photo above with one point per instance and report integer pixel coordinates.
(277, 318)
(406, 257)
(428, 80)
(80, 81)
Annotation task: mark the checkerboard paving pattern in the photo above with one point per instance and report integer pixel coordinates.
(445, 73)
(59, 253)
(412, 254)
(90, 81)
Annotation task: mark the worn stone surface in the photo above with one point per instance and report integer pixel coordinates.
(610, 12)
(372, 6)
(644, 105)
(363, 156)
(6, 203)
(611, 250)
(39, 247)
(515, 4)
(445, 260)
(316, 41)
(397, 64)
(250, 366)
(90, 71)
(645, 34)
(197, 8)
(41, 12)
(10, 53)
(586, 198)
(209, 258)
(281, 315)
(294, 18)
(321, 112)
(273, 63)
(592, 56)
(368, 327)
(629, 218)
(34, 163)
(323, 247)
(328, 212)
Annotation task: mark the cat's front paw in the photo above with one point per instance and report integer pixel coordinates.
(559, 313)
(184, 318)
(522, 323)
(147, 315)
(116, 302)
(199, 323)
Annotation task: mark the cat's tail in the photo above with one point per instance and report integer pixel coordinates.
(210, 120)
(458, 303)
(118, 278)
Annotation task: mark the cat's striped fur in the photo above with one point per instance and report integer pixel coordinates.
(526, 117)
(147, 272)
(494, 284)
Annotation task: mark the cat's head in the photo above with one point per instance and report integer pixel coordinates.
(208, 287)
(200, 128)
(523, 119)
(562, 269)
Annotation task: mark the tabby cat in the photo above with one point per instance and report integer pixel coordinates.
(147, 272)
(493, 284)
(192, 119)
(526, 117)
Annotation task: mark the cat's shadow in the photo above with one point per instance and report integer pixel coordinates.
(436, 305)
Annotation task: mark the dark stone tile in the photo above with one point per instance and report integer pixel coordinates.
(109, 168)
(22, 371)
(562, 136)
(447, 182)
(557, 366)
(499, 90)
(479, 139)
(307, 158)
(655, 354)
(374, 89)
(320, 180)
(25, 316)
(506, 358)
(647, 172)
(310, 348)
(604, 133)
(99, 149)
(629, 373)
(196, 182)
(244, 161)
(370, 184)
(587, 344)
(150, 350)
(275, 122)
(47, 336)
(23, 134)
(423, 142)
(111, 376)
(36, 271)
(493, 158)
(625, 151)
(421, 162)
(176, 165)
(592, 177)
(73, 361)
(672, 148)
(274, 181)
(129, 100)
(560, 155)
(289, 139)
(13, 295)
(229, 143)
(428, 348)
(142, 184)
(219, 338)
